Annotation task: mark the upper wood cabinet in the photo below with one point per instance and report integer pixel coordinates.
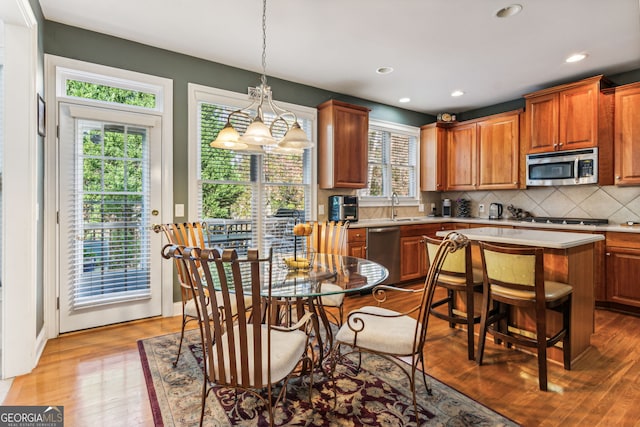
(342, 145)
(499, 152)
(462, 153)
(484, 154)
(627, 134)
(564, 117)
(433, 138)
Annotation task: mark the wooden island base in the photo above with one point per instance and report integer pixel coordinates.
(567, 259)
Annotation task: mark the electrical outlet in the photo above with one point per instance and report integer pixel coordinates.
(320, 209)
(421, 207)
(481, 207)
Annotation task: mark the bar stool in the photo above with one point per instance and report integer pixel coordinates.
(457, 276)
(515, 277)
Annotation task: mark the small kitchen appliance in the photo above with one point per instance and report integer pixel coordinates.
(495, 211)
(446, 207)
(343, 208)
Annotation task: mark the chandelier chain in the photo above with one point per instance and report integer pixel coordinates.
(263, 79)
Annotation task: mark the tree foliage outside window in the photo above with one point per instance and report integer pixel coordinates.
(105, 93)
(392, 163)
(231, 181)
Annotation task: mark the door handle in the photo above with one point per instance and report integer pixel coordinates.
(155, 212)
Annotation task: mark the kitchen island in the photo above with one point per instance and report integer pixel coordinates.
(568, 258)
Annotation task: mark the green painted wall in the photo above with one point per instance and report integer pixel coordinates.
(76, 43)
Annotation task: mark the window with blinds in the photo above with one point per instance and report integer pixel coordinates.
(392, 162)
(110, 207)
(248, 199)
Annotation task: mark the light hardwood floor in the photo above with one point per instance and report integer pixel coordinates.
(97, 375)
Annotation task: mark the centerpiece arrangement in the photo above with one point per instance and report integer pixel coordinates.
(296, 262)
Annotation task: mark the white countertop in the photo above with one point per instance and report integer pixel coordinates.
(524, 237)
(386, 222)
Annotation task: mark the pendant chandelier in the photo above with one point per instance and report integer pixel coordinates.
(258, 134)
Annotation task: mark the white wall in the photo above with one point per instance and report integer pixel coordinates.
(19, 339)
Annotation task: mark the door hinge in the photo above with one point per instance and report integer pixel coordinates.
(57, 217)
(58, 303)
(57, 131)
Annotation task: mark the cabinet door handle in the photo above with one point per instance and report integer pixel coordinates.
(618, 177)
(608, 254)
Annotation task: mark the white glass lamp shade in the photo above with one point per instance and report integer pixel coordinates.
(228, 139)
(295, 138)
(257, 134)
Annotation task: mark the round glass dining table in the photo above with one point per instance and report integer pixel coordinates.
(327, 274)
(346, 273)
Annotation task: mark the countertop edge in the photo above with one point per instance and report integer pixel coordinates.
(366, 223)
(524, 237)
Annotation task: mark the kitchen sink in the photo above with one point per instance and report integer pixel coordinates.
(407, 219)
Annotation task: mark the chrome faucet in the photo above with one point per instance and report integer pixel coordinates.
(394, 203)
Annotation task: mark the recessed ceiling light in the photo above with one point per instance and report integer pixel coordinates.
(457, 93)
(384, 70)
(404, 100)
(508, 11)
(576, 57)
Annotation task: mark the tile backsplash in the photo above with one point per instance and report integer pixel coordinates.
(617, 204)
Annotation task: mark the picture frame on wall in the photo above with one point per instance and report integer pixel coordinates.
(42, 129)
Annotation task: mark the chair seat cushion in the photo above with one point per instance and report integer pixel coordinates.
(393, 335)
(190, 306)
(286, 351)
(448, 279)
(332, 300)
(552, 291)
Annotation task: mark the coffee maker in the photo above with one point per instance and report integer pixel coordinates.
(446, 207)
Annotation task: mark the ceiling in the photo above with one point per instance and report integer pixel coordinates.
(434, 46)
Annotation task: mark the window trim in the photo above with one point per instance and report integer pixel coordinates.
(200, 93)
(367, 201)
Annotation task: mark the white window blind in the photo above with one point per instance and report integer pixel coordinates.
(392, 162)
(109, 253)
(250, 200)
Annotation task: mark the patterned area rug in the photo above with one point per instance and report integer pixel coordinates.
(377, 395)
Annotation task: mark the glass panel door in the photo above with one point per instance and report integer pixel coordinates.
(107, 253)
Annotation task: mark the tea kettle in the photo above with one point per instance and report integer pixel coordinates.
(495, 211)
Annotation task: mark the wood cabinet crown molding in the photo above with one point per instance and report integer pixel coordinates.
(601, 79)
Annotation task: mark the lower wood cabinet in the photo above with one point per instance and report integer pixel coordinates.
(357, 242)
(622, 261)
(413, 259)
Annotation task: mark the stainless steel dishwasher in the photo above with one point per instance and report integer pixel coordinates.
(383, 247)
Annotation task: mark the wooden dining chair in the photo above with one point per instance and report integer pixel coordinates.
(397, 336)
(515, 277)
(458, 277)
(330, 238)
(188, 234)
(248, 354)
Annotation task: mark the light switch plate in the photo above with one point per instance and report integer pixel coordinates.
(320, 209)
(179, 209)
(421, 207)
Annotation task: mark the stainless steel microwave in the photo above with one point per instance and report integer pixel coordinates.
(343, 208)
(563, 167)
